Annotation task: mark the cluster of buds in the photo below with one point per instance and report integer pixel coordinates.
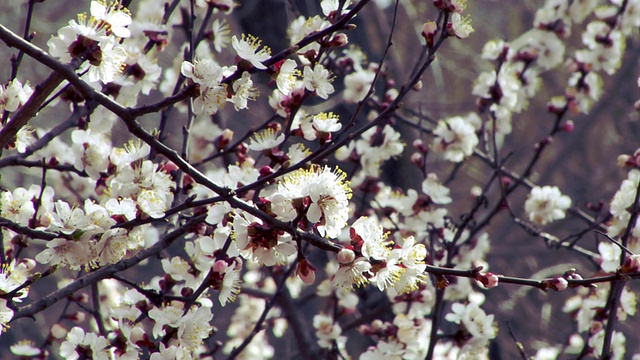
(560, 283)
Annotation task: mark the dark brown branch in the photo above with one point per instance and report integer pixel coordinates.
(16, 161)
(30, 108)
(186, 93)
(27, 231)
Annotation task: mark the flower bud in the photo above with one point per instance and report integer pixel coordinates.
(506, 181)
(306, 271)
(58, 331)
(544, 142)
(558, 283)
(557, 104)
(77, 316)
(377, 324)
(624, 160)
(429, 31)
(596, 326)
(265, 171)
(220, 266)
(417, 159)
(631, 265)
(346, 256)
(224, 138)
(391, 94)
(489, 280)
(568, 126)
(372, 115)
(186, 291)
(419, 145)
(338, 40)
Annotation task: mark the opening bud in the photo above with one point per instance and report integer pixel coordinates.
(429, 31)
(346, 256)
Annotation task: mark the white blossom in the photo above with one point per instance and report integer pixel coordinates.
(13, 95)
(357, 85)
(18, 205)
(479, 325)
(77, 342)
(438, 193)
(546, 204)
(249, 48)
(6, 314)
(113, 16)
(328, 331)
(243, 91)
(318, 80)
(456, 137)
(265, 140)
(461, 26)
(287, 76)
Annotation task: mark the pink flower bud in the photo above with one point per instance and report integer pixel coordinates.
(306, 271)
(265, 171)
(224, 139)
(419, 145)
(631, 265)
(596, 326)
(219, 266)
(339, 40)
(558, 283)
(568, 126)
(489, 280)
(429, 31)
(417, 160)
(77, 316)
